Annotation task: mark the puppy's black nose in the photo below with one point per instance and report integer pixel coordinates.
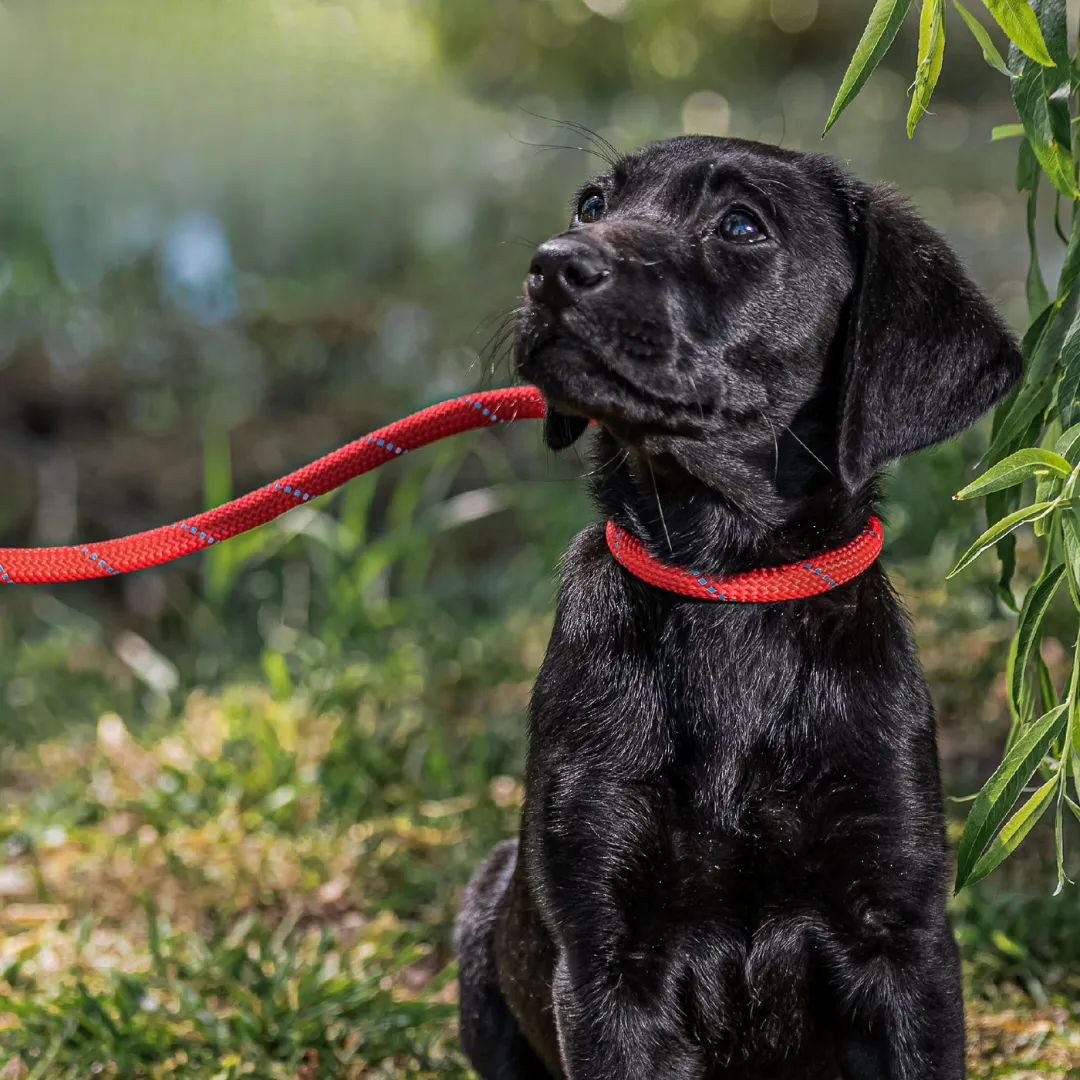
(563, 270)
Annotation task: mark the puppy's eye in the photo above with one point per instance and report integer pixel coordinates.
(741, 227)
(592, 208)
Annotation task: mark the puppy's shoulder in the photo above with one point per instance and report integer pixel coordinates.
(591, 586)
(587, 569)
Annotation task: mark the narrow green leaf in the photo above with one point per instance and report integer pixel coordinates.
(1005, 131)
(1071, 543)
(1014, 831)
(1027, 179)
(1041, 349)
(1027, 168)
(1052, 16)
(1041, 95)
(1068, 444)
(1024, 709)
(1036, 602)
(999, 529)
(1035, 336)
(1018, 21)
(998, 504)
(1049, 488)
(1068, 389)
(931, 55)
(1007, 555)
(1071, 267)
(1059, 832)
(1033, 105)
(1002, 789)
(1047, 693)
(1015, 469)
(881, 28)
(1036, 394)
(990, 55)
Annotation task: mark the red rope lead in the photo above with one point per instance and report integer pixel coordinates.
(136, 552)
(791, 582)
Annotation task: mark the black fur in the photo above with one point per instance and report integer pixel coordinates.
(732, 860)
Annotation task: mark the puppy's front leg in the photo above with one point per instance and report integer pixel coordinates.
(907, 1020)
(609, 1030)
(602, 872)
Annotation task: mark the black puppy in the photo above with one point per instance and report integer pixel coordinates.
(732, 858)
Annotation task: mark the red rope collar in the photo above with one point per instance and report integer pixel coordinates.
(791, 582)
(145, 549)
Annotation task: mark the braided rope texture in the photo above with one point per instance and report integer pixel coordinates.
(156, 546)
(791, 582)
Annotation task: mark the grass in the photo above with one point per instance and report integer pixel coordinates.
(265, 887)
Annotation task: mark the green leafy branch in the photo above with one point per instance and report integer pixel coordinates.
(1033, 462)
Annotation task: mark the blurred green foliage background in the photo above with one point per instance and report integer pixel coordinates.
(235, 235)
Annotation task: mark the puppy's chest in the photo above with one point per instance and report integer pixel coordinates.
(708, 732)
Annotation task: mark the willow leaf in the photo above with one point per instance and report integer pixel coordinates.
(990, 55)
(1018, 21)
(999, 529)
(931, 55)
(880, 32)
(1002, 789)
(1015, 469)
(1036, 602)
(1014, 831)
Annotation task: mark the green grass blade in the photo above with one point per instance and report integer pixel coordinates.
(1000, 529)
(989, 51)
(1014, 831)
(1015, 469)
(931, 55)
(1018, 21)
(881, 29)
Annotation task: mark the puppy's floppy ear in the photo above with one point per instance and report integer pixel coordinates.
(562, 430)
(926, 354)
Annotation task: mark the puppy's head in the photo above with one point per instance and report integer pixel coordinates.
(758, 317)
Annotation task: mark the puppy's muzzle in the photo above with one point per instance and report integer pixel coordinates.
(564, 271)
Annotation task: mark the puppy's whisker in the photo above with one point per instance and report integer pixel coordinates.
(659, 508)
(497, 316)
(776, 445)
(607, 151)
(609, 463)
(598, 139)
(496, 347)
(697, 395)
(808, 450)
(541, 147)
